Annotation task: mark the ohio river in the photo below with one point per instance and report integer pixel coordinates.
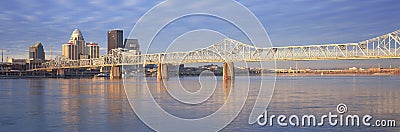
(102, 105)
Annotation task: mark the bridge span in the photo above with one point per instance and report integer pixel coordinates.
(229, 51)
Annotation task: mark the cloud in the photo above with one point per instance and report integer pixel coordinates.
(89, 19)
(56, 20)
(288, 22)
(131, 3)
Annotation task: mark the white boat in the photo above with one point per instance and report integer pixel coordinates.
(103, 75)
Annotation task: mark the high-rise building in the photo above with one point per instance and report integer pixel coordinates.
(36, 52)
(115, 39)
(36, 56)
(93, 50)
(132, 45)
(70, 51)
(78, 40)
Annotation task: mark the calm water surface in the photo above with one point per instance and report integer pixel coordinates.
(101, 104)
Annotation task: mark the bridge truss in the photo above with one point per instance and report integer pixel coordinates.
(229, 50)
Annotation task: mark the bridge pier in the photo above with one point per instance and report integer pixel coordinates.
(162, 71)
(115, 72)
(101, 69)
(60, 72)
(228, 71)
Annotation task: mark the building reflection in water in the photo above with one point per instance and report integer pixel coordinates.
(95, 102)
(160, 92)
(37, 104)
(101, 104)
(105, 99)
(115, 99)
(70, 104)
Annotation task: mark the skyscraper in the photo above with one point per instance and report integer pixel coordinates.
(93, 50)
(70, 51)
(132, 45)
(115, 39)
(78, 40)
(36, 55)
(36, 52)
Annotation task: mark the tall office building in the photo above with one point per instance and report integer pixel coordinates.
(36, 52)
(78, 40)
(132, 45)
(93, 50)
(70, 51)
(115, 39)
(36, 56)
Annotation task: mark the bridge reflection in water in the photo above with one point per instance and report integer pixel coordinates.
(101, 105)
(136, 88)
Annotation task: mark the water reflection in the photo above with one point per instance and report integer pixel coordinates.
(115, 104)
(70, 104)
(226, 87)
(37, 103)
(101, 104)
(363, 94)
(377, 96)
(160, 93)
(88, 103)
(221, 107)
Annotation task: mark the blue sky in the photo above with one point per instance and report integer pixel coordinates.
(294, 22)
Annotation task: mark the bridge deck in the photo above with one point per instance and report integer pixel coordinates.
(229, 50)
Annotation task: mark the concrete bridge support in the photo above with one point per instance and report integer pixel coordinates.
(162, 71)
(115, 72)
(228, 71)
(60, 72)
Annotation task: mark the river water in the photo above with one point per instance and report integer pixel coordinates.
(101, 104)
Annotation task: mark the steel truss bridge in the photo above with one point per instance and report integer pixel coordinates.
(229, 50)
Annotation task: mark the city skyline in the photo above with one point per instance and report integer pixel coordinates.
(287, 22)
(199, 65)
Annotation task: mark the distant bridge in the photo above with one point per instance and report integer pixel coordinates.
(228, 51)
